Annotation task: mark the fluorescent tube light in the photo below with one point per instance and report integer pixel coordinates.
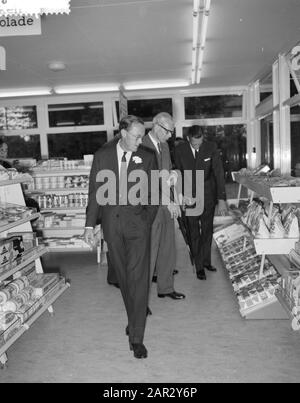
(71, 89)
(24, 92)
(159, 84)
(204, 25)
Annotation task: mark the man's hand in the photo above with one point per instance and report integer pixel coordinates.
(88, 236)
(172, 179)
(221, 208)
(174, 210)
(185, 201)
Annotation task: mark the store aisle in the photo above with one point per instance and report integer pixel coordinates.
(200, 339)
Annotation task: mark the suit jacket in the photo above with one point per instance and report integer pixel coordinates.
(207, 160)
(106, 159)
(163, 160)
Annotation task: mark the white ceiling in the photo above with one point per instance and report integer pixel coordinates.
(116, 41)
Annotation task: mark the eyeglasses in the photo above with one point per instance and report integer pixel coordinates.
(167, 130)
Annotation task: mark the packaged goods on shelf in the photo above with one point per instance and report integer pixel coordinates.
(29, 239)
(256, 293)
(251, 276)
(7, 319)
(28, 271)
(42, 283)
(12, 212)
(228, 234)
(295, 258)
(10, 332)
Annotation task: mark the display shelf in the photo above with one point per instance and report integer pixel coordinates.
(40, 251)
(25, 326)
(60, 172)
(61, 191)
(276, 194)
(271, 309)
(64, 248)
(16, 181)
(59, 232)
(64, 209)
(16, 223)
(272, 246)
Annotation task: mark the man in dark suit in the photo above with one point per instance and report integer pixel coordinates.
(198, 154)
(163, 246)
(126, 225)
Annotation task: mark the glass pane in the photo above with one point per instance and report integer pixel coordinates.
(231, 141)
(75, 145)
(267, 143)
(18, 117)
(220, 106)
(23, 146)
(81, 114)
(148, 108)
(264, 95)
(295, 142)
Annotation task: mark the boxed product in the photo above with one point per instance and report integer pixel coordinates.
(42, 283)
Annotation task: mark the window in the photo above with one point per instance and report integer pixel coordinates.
(231, 141)
(18, 117)
(267, 143)
(24, 146)
(75, 145)
(216, 106)
(79, 114)
(295, 141)
(148, 108)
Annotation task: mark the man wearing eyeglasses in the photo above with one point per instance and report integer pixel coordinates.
(163, 246)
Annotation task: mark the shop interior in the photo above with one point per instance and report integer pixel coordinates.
(231, 67)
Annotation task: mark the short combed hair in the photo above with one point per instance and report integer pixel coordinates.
(161, 117)
(128, 121)
(195, 131)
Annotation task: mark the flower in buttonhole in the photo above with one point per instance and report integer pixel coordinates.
(137, 160)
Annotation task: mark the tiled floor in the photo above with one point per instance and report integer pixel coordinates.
(200, 339)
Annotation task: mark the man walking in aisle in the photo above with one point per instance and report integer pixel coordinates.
(163, 246)
(126, 225)
(198, 154)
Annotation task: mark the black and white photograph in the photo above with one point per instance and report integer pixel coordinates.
(149, 194)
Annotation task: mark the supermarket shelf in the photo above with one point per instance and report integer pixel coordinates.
(41, 250)
(280, 262)
(6, 227)
(61, 232)
(15, 181)
(284, 304)
(274, 246)
(280, 194)
(60, 172)
(61, 190)
(64, 248)
(64, 209)
(271, 309)
(32, 319)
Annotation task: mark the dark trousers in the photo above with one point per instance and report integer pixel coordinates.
(201, 229)
(128, 240)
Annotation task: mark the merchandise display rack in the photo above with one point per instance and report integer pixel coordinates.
(55, 232)
(275, 248)
(11, 192)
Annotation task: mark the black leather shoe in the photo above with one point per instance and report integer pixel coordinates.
(154, 279)
(210, 268)
(114, 284)
(201, 275)
(175, 271)
(139, 350)
(173, 295)
(127, 330)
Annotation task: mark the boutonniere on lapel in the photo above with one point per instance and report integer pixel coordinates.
(137, 160)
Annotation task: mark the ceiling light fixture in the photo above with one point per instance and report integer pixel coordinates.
(144, 85)
(195, 45)
(57, 66)
(199, 38)
(24, 92)
(72, 89)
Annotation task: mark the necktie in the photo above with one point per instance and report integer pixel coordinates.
(196, 154)
(123, 181)
(159, 156)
